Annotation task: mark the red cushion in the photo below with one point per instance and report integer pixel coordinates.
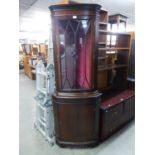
(117, 98)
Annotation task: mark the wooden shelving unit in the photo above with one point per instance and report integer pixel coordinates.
(102, 23)
(109, 67)
(113, 55)
(117, 106)
(114, 49)
(113, 33)
(102, 43)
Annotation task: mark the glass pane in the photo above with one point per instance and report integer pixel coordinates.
(75, 43)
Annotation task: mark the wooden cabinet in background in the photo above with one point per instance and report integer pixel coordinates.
(33, 52)
(102, 75)
(28, 68)
(115, 111)
(43, 48)
(131, 68)
(117, 105)
(113, 56)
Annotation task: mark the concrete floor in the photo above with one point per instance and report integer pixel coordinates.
(31, 142)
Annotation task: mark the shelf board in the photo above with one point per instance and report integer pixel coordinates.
(109, 67)
(113, 49)
(103, 23)
(113, 33)
(102, 43)
(100, 58)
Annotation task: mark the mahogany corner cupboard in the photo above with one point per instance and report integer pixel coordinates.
(76, 100)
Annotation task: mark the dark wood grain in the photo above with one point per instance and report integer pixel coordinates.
(76, 107)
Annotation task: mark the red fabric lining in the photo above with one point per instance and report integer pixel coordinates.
(84, 82)
(88, 58)
(76, 72)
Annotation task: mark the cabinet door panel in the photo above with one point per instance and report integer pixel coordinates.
(114, 113)
(77, 122)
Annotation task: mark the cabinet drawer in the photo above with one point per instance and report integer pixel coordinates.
(110, 128)
(113, 113)
(129, 104)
